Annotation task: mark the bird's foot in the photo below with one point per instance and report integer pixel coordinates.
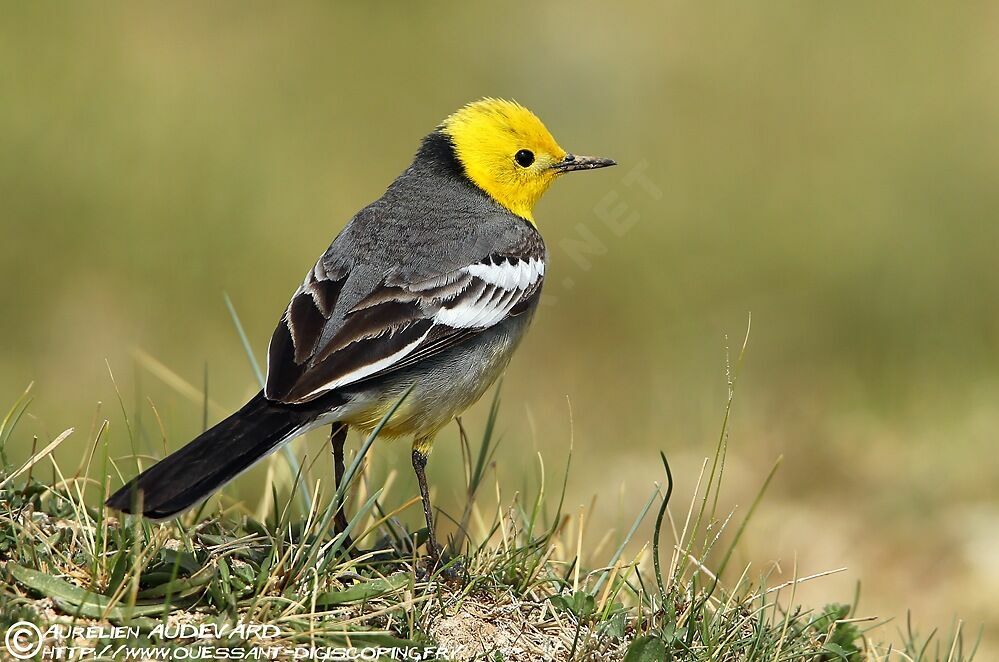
(449, 569)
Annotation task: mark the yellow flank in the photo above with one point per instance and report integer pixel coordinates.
(487, 136)
(411, 418)
(402, 423)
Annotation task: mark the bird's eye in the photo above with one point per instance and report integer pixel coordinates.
(524, 158)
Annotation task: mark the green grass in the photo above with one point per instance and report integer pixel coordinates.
(514, 588)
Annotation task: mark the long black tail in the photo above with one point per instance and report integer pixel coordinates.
(215, 457)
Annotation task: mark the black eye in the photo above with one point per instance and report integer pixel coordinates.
(524, 158)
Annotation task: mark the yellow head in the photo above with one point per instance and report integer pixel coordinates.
(508, 153)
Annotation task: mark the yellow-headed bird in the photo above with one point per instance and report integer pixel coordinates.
(428, 289)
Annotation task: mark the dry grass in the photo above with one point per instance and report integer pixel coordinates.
(515, 589)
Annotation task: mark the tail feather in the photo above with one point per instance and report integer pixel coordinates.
(212, 459)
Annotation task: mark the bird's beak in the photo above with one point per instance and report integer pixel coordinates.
(575, 162)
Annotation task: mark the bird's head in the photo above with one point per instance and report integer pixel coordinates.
(508, 153)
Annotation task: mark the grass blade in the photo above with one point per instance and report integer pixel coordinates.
(289, 455)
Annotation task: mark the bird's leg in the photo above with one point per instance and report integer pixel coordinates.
(338, 437)
(420, 466)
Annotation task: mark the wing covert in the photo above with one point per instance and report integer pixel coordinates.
(320, 346)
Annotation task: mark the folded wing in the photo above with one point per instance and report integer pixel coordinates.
(315, 350)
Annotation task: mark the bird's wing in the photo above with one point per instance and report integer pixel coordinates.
(317, 348)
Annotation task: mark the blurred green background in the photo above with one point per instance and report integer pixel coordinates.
(830, 168)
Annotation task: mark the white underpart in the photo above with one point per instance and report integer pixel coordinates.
(368, 369)
(508, 278)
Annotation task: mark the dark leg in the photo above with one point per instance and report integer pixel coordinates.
(420, 465)
(338, 437)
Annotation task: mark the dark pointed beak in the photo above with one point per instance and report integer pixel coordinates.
(574, 162)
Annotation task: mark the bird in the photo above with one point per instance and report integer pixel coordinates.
(421, 298)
